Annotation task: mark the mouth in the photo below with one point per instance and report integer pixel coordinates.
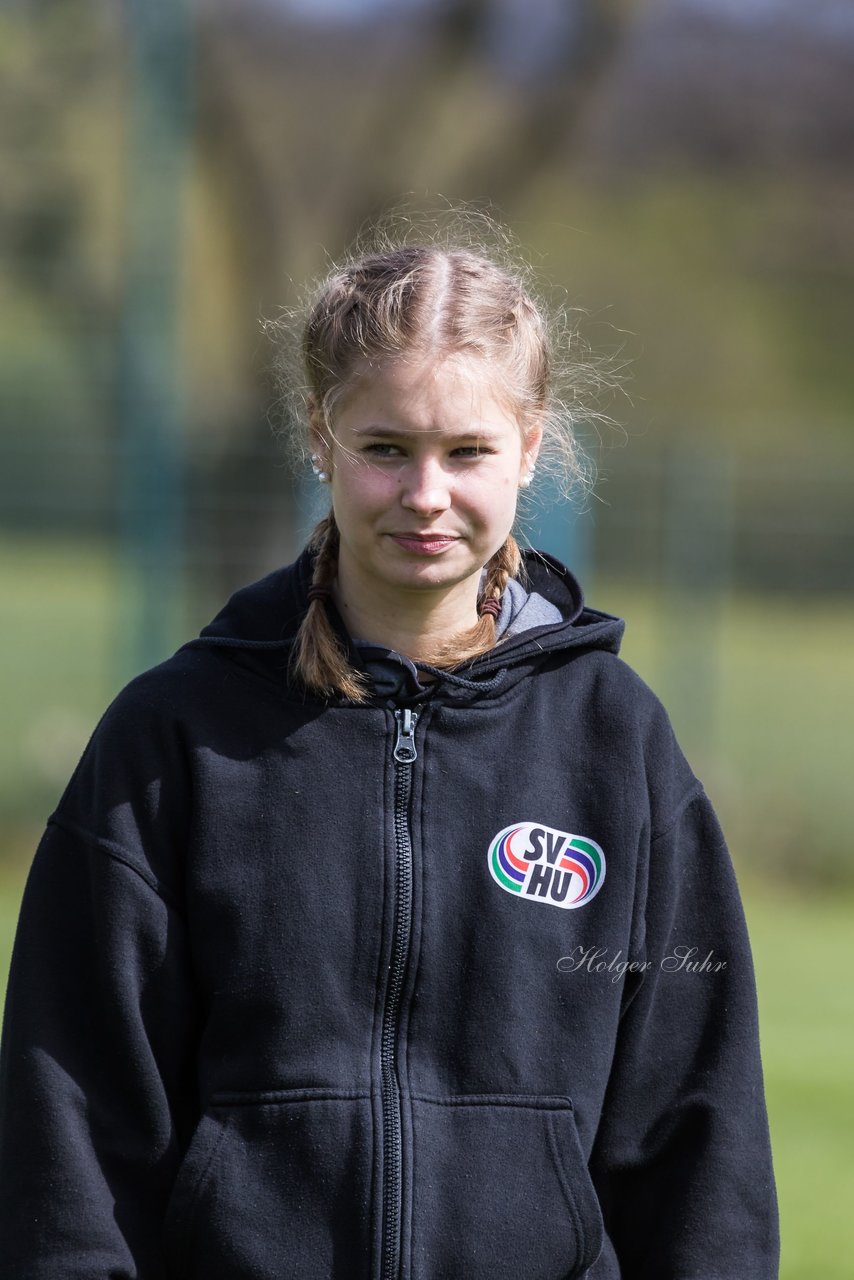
(424, 544)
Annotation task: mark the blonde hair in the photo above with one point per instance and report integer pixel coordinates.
(428, 299)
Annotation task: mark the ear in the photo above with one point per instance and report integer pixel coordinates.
(531, 445)
(318, 438)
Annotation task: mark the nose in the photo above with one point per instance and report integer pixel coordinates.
(426, 487)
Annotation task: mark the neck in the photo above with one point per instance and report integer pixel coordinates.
(415, 623)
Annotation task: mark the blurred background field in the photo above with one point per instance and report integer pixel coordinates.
(679, 171)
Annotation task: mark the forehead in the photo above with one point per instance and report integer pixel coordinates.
(426, 395)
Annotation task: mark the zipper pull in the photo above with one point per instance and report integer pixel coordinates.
(404, 747)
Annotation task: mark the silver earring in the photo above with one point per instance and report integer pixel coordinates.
(323, 476)
(526, 479)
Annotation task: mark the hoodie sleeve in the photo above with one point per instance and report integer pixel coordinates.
(96, 1072)
(682, 1159)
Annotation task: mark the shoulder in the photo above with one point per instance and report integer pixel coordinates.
(623, 725)
(153, 704)
(611, 687)
(131, 785)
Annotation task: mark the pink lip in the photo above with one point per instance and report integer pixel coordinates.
(425, 544)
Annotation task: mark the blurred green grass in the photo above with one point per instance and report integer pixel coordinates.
(803, 950)
(57, 603)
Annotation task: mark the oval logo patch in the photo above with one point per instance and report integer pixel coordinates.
(553, 867)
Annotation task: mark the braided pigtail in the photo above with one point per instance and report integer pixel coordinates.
(505, 564)
(318, 657)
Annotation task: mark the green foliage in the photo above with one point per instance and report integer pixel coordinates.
(728, 298)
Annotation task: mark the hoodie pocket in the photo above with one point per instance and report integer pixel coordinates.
(274, 1186)
(500, 1190)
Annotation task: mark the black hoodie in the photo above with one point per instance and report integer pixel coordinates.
(456, 986)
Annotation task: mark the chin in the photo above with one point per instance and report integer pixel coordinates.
(431, 576)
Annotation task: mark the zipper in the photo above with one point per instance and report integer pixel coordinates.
(404, 747)
(405, 755)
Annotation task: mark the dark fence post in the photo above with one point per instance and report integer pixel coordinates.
(696, 573)
(151, 445)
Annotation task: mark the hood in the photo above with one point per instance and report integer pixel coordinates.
(259, 622)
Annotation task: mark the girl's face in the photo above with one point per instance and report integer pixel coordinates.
(425, 467)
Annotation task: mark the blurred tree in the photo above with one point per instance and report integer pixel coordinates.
(53, 56)
(308, 132)
(59, 144)
(389, 91)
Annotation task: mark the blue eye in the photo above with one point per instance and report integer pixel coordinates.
(381, 450)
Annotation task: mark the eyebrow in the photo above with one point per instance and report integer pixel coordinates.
(393, 433)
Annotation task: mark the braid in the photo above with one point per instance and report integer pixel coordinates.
(318, 658)
(505, 564)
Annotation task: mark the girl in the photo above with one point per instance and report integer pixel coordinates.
(383, 931)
